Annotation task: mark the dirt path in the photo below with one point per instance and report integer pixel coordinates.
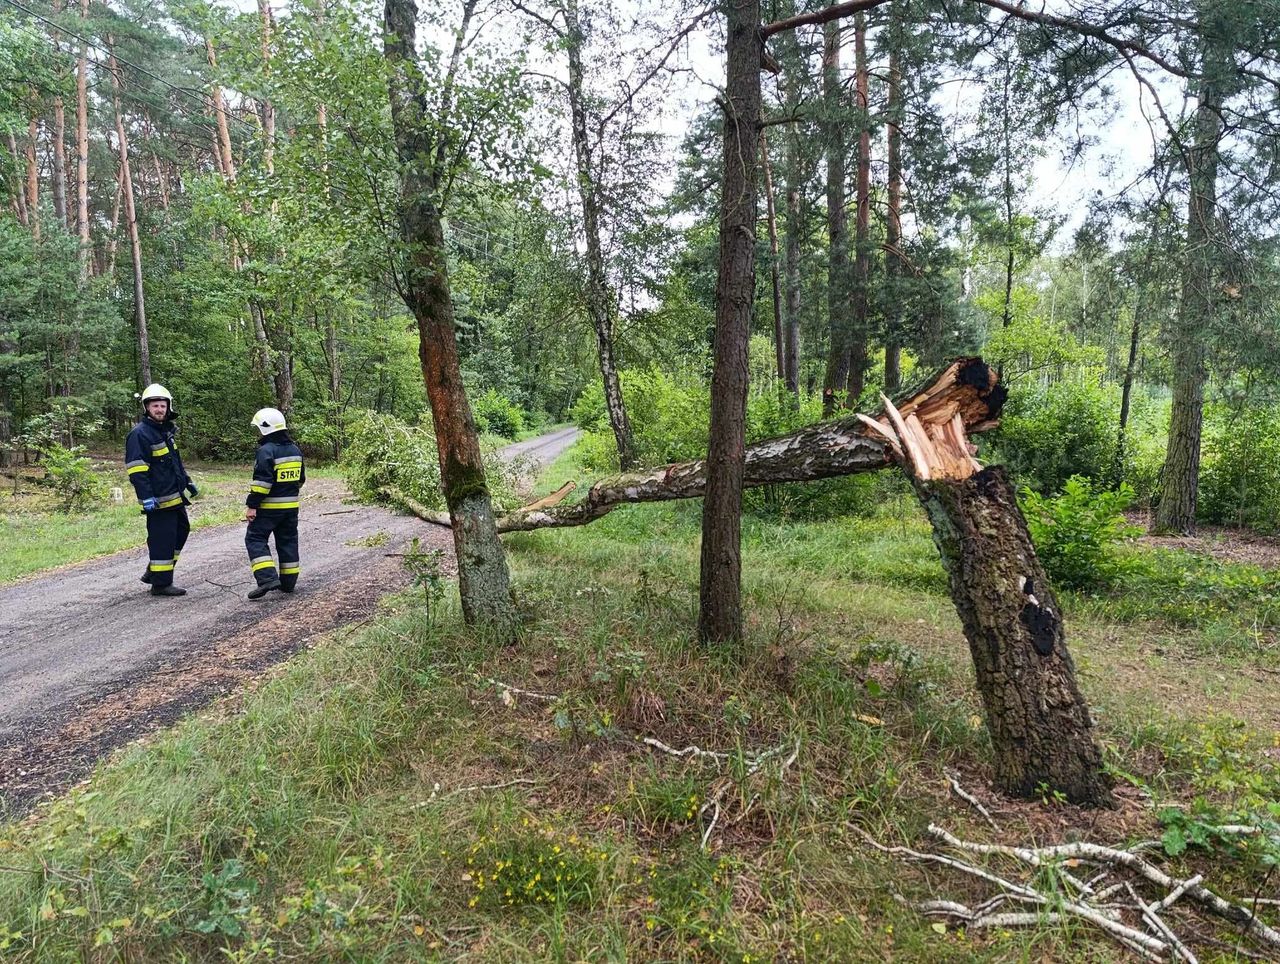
(89, 660)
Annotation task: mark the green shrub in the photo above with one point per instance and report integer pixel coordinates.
(68, 472)
(1240, 475)
(669, 416)
(72, 476)
(1076, 533)
(385, 453)
(1049, 433)
(497, 414)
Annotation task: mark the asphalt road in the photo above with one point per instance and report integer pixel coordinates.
(89, 660)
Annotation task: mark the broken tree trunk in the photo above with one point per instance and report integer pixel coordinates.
(822, 451)
(1041, 731)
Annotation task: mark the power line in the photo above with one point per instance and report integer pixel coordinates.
(188, 91)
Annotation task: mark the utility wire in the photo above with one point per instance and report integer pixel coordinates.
(188, 91)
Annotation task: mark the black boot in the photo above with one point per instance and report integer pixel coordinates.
(167, 591)
(146, 575)
(265, 588)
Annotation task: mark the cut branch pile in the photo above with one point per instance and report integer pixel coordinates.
(1119, 910)
(962, 398)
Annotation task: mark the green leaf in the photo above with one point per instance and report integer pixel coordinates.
(1174, 841)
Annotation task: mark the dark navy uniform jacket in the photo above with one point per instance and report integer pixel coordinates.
(155, 468)
(278, 474)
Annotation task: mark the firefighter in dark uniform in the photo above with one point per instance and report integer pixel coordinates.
(160, 481)
(272, 506)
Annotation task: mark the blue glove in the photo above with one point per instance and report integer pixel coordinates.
(148, 505)
(191, 487)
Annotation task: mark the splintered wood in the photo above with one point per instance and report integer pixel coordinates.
(930, 431)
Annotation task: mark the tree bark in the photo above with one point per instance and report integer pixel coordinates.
(483, 579)
(131, 219)
(894, 257)
(20, 188)
(794, 177)
(1041, 731)
(1180, 484)
(59, 161)
(600, 300)
(268, 108)
(82, 146)
(720, 591)
(1006, 159)
(33, 179)
(220, 111)
(862, 222)
(108, 267)
(779, 338)
(794, 228)
(1126, 390)
(838, 268)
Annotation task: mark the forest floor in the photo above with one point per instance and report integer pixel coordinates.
(414, 790)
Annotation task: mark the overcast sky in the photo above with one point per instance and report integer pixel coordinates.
(1124, 141)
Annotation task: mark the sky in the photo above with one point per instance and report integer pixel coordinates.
(1123, 142)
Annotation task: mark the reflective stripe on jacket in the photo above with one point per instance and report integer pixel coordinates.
(155, 468)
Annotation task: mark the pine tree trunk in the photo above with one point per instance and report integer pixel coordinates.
(228, 162)
(334, 359)
(779, 338)
(33, 179)
(1042, 734)
(600, 301)
(59, 142)
(862, 222)
(794, 228)
(838, 269)
(1126, 390)
(268, 109)
(794, 177)
(131, 221)
(1179, 488)
(894, 267)
(108, 267)
(82, 147)
(483, 579)
(19, 188)
(720, 595)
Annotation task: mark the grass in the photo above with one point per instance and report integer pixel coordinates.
(37, 539)
(380, 798)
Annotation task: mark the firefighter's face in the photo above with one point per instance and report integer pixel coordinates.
(157, 408)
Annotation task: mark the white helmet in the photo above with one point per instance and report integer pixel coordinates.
(156, 391)
(268, 420)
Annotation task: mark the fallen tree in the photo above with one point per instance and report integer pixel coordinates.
(965, 389)
(1040, 726)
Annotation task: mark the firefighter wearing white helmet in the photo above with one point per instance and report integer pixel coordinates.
(161, 483)
(272, 506)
